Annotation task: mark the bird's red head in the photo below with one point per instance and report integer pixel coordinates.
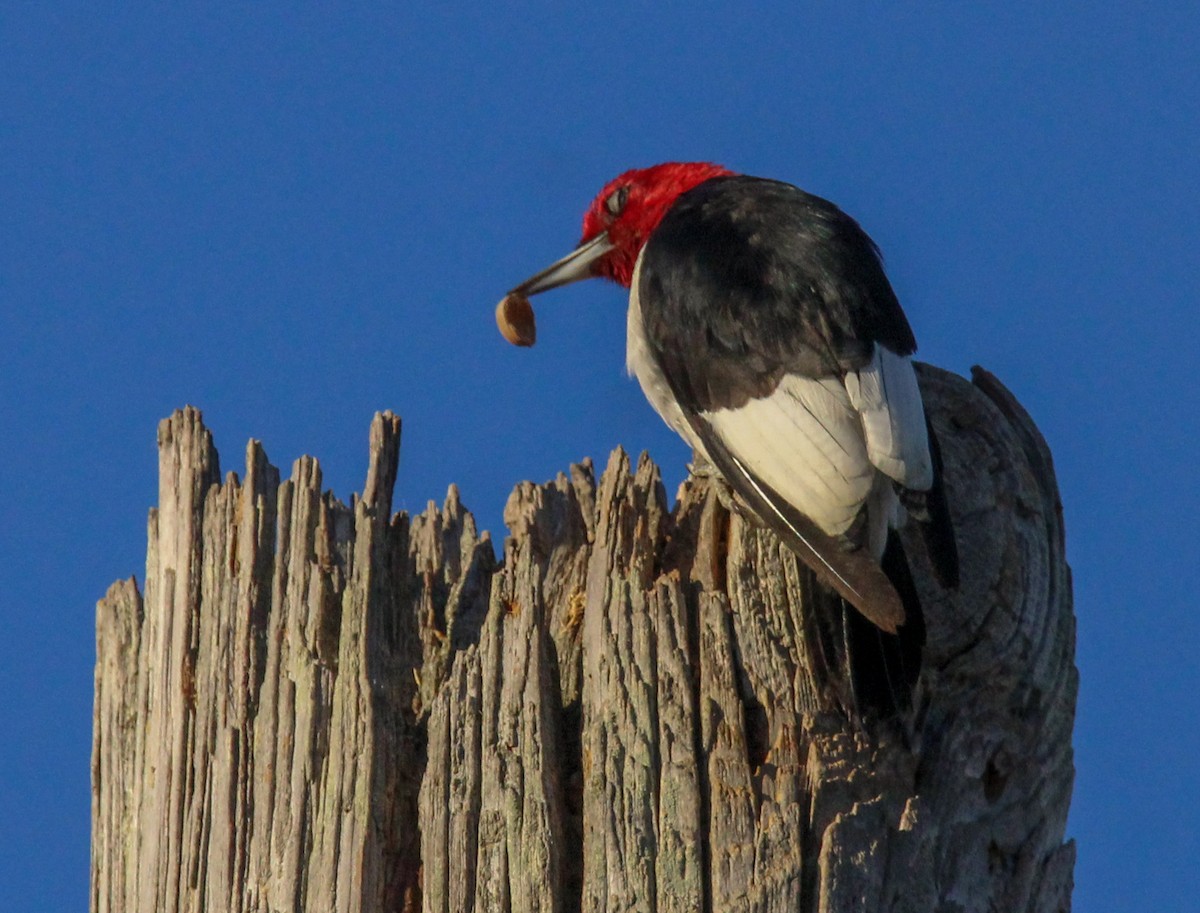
(620, 221)
(630, 207)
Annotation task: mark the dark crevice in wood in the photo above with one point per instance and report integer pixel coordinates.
(690, 593)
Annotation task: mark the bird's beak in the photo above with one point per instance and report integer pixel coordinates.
(574, 266)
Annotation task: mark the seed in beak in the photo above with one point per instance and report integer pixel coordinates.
(514, 317)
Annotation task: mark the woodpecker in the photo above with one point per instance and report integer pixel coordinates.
(762, 328)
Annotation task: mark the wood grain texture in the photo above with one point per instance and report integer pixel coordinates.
(318, 706)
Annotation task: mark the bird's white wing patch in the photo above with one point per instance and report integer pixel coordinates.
(886, 395)
(806, 442)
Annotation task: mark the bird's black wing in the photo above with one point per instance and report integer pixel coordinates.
(746, 280)
(755, 301)
(750, 292)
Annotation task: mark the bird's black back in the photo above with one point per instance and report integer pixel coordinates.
(747, 279)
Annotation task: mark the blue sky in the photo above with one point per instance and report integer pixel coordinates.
(292, 216)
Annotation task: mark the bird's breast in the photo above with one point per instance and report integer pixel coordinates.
(641, 363)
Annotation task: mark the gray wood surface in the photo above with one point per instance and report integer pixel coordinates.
(314, 706)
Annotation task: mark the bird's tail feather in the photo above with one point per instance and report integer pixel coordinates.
(871, 673)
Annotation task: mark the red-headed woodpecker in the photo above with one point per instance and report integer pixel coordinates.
(762, 328)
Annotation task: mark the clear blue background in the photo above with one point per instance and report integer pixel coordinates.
(294, 216)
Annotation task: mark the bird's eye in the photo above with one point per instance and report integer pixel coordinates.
(616, 201)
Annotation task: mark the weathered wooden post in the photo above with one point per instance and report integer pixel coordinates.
(316, 706)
